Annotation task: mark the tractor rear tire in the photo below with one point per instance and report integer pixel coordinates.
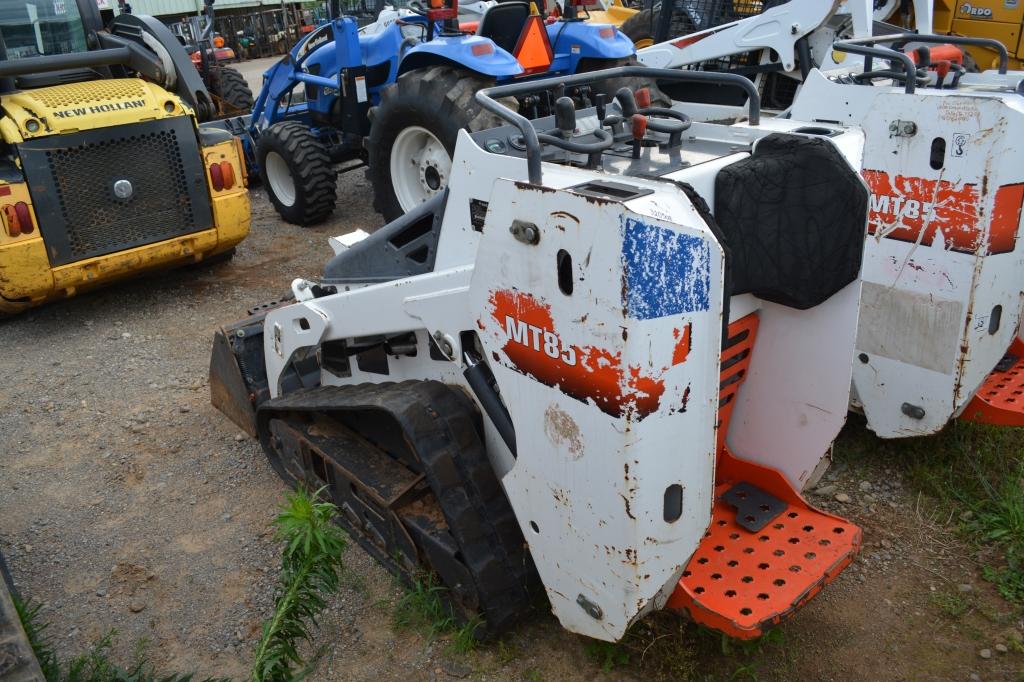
(297, 172)
(230, 86)
(641, 27)
(425, 108)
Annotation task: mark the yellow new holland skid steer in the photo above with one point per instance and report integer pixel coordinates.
(104, 170)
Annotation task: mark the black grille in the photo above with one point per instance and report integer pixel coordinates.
(72, 179)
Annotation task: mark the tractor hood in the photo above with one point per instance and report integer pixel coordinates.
(85, 106)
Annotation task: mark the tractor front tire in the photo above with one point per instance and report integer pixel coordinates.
(423, 113)
(231, 87)
(297, 172)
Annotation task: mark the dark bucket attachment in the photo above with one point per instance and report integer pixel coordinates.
(238, 374)
(228, 391)
(238, 370)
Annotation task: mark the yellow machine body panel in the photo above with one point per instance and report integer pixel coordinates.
(616, 14)
(110, 179)
(997, 19)
(92, 104)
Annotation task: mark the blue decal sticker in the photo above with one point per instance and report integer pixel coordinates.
(667, 273)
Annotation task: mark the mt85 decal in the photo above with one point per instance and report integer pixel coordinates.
(921, 210)
(586, 373)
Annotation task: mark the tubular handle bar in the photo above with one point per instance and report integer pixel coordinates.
(487, 98)
(866, 48)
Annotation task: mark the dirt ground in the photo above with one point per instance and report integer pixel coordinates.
(128, 503)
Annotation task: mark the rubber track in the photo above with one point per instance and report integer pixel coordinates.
(317, 181)
(442, 426)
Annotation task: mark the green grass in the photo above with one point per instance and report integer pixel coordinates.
(310, 570)
(423, 607)
(968, 467)
(607, 655)
(953, 604)
(95, 665)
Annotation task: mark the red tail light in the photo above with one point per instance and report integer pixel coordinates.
(216, 177)
(24, 217)
(18, 219)
(11, 219)
(222, 175)
(228, 173)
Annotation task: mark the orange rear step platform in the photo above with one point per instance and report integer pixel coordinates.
(767, 551)
(1000, 400)
(743, 581)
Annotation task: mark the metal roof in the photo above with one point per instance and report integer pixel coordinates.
(159, 8)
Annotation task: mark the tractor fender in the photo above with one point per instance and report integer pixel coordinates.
(471, 52)
(572, 41)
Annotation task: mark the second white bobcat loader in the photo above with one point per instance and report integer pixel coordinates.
(610, 355)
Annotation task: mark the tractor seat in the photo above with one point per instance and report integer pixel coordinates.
(503, 23)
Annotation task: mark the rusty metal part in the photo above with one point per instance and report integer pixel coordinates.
(406, 466)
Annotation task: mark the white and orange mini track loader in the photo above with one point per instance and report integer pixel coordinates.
(939, 334)
(609, 355)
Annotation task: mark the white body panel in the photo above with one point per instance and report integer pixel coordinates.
(945, 255)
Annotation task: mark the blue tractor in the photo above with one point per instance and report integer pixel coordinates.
(393, 97)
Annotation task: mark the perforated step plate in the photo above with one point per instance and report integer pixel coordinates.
(742, 582)
(1000, 400)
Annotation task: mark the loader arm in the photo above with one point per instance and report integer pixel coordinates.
(779, 29)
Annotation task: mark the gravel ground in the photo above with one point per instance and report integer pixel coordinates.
(128, 503)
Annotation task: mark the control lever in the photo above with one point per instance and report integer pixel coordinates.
(565, 117)
(924, 56)
(627, 102)
(639, 131)
(643, 98)
(600, 104)
(668, 121)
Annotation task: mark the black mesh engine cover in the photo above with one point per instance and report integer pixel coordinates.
(794, 216)
(72, 177)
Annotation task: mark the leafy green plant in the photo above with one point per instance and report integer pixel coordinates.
(953, 604)
(310, 570)
(35, 629)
